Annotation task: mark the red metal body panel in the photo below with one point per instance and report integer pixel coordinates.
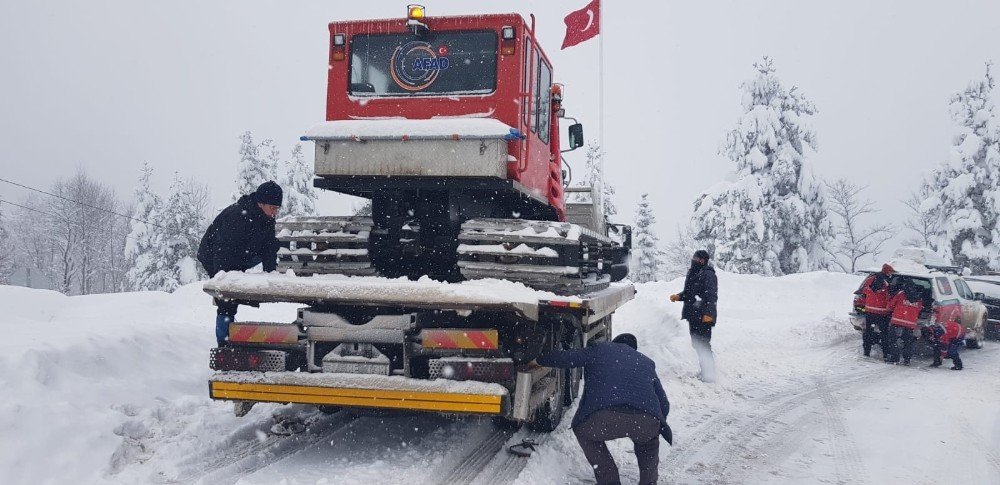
(538, 164)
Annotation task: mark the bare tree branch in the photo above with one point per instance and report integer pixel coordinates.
(854, 241)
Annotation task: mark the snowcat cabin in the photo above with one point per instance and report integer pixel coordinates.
(453, 68)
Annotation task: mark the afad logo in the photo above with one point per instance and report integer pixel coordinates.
(416, 65)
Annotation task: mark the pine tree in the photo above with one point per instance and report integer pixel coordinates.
(258, 164)
(300, 195)
(772, 220)
(178, 239)
(142, 240)
(964, 192)
(646, 253)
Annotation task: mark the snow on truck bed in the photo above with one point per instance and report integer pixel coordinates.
(375, 290)
(397, 129)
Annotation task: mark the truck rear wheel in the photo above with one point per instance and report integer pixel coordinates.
(574, 374)
(547, 417)
(500, 422)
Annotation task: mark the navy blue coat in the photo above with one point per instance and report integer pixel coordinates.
(240, 237)
(615, 375)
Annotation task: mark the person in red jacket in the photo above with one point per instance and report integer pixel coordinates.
(877, 315)
(905, 307)
(948, 337)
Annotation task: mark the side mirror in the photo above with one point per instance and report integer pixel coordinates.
(978, 296)
(575, 136)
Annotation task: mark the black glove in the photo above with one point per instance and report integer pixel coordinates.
(667, 434)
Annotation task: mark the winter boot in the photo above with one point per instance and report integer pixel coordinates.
(937, 362)
(958, 364)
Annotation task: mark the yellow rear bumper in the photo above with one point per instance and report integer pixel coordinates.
(366, 398)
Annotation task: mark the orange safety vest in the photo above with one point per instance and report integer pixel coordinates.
(904, 312)
(876, 302)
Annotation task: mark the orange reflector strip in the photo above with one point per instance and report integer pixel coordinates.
(263, 334)
(369, 398)
(481, 339)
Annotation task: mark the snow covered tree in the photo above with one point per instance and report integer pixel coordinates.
(772, 219)
(646, 252)
(923, 222)
(6, 251)
(677, 255)
(964, 192)
(297, 182)
(177, 241)
(594, 177)
(854, 241)
(258, 164)
(143, 240)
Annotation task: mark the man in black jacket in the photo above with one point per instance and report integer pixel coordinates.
(700, 294)
(241, 237)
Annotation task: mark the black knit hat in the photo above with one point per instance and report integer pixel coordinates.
(269, 193)
(702, 254)
(627, 339)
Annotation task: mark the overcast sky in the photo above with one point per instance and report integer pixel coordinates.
(109, 84)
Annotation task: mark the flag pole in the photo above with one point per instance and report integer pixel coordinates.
(600, 95)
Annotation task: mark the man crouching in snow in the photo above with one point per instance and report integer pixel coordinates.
(700, 294)
(622, 398)
(241, 237)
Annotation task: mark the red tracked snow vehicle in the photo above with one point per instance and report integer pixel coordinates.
(450, 126)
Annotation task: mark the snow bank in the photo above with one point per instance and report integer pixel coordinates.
(399, 128)
(95, 385)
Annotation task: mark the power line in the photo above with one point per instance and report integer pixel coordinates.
(75, 202)
(27, 208)
(2, 202)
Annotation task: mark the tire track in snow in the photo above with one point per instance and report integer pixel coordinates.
(989, 453)
(849, 466)
(506, 467)
(252, 454)
(705, 459)
(470, 465)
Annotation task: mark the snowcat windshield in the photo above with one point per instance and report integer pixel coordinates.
(435, 63)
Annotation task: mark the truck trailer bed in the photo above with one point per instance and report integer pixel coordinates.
(496, 295)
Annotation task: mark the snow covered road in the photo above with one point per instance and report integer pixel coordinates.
(111, 389)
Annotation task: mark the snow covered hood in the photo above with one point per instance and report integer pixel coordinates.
(376, 291)
(393, 129)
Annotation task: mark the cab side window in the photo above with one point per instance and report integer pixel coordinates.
(944, 286)
(543, 100)
(963, 289)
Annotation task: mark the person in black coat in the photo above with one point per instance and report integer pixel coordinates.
(241, 237)
(700, 295)
(622, 398)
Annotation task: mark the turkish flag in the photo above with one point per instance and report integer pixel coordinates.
(583, 24)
